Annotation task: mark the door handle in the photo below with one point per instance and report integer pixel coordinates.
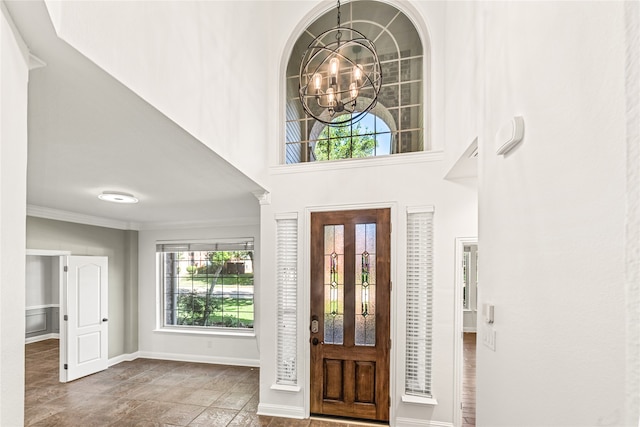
(316, 341)
(105, 320)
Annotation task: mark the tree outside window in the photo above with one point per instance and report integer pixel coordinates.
(211, 288)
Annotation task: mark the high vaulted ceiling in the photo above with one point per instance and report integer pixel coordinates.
(88, 133)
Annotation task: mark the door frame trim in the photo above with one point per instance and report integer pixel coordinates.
(305, 303)
(458, 311)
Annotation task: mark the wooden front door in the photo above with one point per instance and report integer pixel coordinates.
(350, 293)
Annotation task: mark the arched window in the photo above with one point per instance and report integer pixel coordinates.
(396, 123)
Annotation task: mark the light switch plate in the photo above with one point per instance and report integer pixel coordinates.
(489, 337)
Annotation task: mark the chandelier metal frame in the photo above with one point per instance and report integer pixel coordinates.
(326, 58)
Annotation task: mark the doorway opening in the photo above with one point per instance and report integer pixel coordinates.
(66, 299)
(470, 319)
(466, 315)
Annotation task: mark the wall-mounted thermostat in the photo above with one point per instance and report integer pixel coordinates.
(509, 135)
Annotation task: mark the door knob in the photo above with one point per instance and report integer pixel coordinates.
(105, 320)
(316, 341)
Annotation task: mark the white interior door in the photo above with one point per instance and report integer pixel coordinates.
(84, 311)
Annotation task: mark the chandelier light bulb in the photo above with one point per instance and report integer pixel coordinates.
(331, 97)
(334, 66)
(353, 90)
(317, 81)
(357, 73)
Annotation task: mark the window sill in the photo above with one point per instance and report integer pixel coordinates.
(418, 400)
(289, 388)
(391, 159)
(218, 332)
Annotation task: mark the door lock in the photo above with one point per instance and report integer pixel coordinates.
(314, 324)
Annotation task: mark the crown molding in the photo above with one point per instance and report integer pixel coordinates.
(60, 215)
(227, 222)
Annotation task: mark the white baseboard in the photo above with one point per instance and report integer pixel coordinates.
(281, 411)
(414, 422)
(42, 338)
(470, 329)
(255, 363)
(123, 358)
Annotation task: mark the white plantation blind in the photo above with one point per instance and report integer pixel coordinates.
(207, 246)
(287, 278)
(419, 302)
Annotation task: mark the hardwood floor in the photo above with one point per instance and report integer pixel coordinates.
(469, 381)
(146, 393)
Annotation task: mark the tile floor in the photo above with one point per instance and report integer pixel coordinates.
(146, 393)
(469, 381)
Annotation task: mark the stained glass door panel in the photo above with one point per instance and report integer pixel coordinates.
(365, 283)
(350, 292)
(334, 284)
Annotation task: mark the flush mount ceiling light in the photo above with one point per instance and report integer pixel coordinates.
(339, 79)
(117, 197)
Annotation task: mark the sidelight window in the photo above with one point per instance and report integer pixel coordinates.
(287, 281)
(419, 302)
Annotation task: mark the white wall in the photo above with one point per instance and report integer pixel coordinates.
(198, 63)
(81, 239)
(552, 214)
(461, 79)
(14, 75)
(201, 63)
(632, 74)
(399, 182)
(198, 347)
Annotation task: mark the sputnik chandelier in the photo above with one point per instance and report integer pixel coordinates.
(339, 79)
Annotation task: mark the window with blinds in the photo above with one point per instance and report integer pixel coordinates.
(419, 302)
(287, 282)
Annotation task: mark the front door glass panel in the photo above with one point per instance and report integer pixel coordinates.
(365, 282)
(333, 284)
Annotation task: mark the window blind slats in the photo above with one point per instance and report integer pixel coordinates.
(244, 245)
(419, 303)
(287, 281)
